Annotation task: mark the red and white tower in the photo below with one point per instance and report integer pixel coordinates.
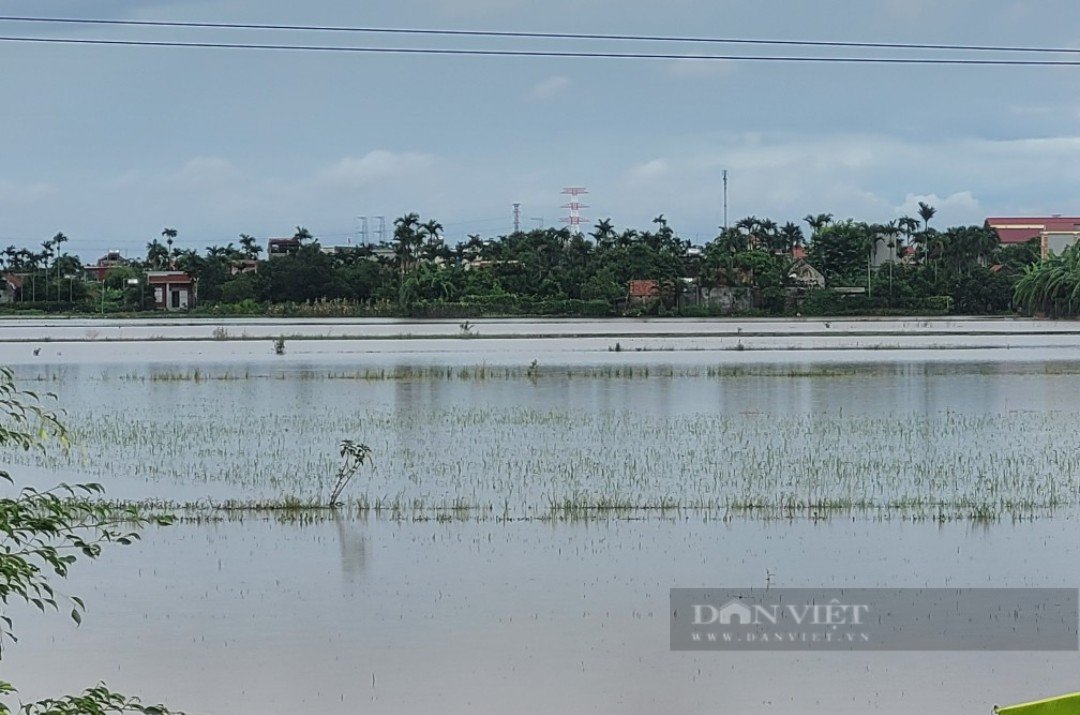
(575, 218)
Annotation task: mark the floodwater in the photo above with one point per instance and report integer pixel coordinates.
(506, 341)
(489, 583)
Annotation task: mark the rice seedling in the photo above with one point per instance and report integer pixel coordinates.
(456, 441)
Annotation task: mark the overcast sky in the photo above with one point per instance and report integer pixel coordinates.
(111, 144)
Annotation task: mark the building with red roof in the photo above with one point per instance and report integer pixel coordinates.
(173, 290)
(1055, 233)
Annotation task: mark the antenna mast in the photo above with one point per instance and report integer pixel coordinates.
(725, 201)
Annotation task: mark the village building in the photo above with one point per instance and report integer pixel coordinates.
(11, 288)
(277, 247)
(238, 266)
(173, 290)
(112, 259)
(804, 275)
(1054, 233)
(642, 293)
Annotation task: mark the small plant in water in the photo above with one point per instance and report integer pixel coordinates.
(534, 370)
(355, 455)
(279, 345)
(220, 333)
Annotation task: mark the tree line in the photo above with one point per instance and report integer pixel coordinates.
(905, 265)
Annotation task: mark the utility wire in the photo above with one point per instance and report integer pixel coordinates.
(542, 35)
(545, 53)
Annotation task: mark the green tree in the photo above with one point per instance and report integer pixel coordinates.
(157, 255)
(840, 251)
(1052, 287)
(169, 234)
(302, 234)
(250, 248)
(926, 212)
(45, 533)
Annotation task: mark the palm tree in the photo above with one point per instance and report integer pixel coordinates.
(767, 232)
(908, 226)
(250, 247)
(157, 255)
(873, 236)
(604, 232)
(749, 227)
(926, 212)
(217, 252)
(433, 244)
(169, 234)
(792, 236)
(818, 222)
(407, 239)
(58, 239)
(46, 255)
(891, 235)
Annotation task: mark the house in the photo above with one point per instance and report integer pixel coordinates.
(643, 292)
(382, 251)
(243, 265)
(277, 247)
(173, 290)
(805, 275)
(1055, 233)
(98, 271)
(479, 264)
(11, 288)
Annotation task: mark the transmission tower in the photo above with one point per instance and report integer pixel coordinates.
(575, 218)
(381, 230)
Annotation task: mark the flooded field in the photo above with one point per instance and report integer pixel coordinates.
(533, 499)
(260, 616)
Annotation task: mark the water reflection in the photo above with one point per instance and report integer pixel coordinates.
(355, 550)
(526, 618)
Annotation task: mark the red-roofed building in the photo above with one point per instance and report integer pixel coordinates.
(112, 259)
(644, 291)
(173, 290)
(1055, 233)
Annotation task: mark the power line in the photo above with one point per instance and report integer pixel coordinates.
(543, 35)
(545, 53)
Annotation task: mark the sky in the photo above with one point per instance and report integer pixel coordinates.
(112, 144)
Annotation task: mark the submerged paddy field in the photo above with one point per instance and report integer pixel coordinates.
(926, 441)
(531, 503)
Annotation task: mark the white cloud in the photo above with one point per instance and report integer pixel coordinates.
(549, 88)
(962, 203)
(375, 167)
(649, 172)
(787, 176)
